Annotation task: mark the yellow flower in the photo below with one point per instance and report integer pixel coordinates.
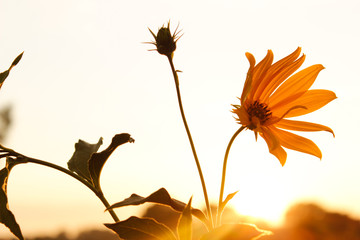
(272, 93)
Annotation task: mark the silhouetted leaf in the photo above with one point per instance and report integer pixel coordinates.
(98, 160)
(185, 223)
(161, 196)
(6, 216)
(17, 60)
(235, 232)
(88, 163)
(5, 74)
(79, 162)
(135, 228)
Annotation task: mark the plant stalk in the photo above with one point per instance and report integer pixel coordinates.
(220, 206)
(98, 193)
(176, 78)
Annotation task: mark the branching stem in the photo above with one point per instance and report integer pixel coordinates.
(98, 193)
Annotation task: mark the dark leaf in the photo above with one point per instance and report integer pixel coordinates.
(88, 163)
(79, 162)
(6, 216)
(136, 228)
(161, 196)
(17, 59)
(235, 232)
(5, 74)
(98, 160)
(185, 223)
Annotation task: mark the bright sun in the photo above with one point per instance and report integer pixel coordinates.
(271, 212)
(265, 189)
(266, 199)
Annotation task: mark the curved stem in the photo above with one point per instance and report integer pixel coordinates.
(176, 78)
(220, 207)
(98, 193)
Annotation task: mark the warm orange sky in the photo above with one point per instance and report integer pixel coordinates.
(85, 74)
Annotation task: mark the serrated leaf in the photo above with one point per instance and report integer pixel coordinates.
(6, 216)
(135, 228)
(5, 74)
(161, 196)
(97, 160)
(79, 162)
(235, 232)
(185, 223)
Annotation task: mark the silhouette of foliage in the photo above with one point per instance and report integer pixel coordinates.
(266, 80)
(88, 163)
(160, 196)
(5, 74)
(135, 228)
(6, 216)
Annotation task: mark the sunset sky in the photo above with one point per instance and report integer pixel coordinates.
(86, 73)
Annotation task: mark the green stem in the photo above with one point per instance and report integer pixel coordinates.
(176, 78)
(98, 193)
(220, 206)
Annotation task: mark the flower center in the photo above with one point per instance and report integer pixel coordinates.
(258, 113)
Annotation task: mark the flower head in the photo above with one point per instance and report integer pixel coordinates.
(272, 94)
(165, 42)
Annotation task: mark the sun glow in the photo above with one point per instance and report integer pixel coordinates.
(260, 207)
(263, 193)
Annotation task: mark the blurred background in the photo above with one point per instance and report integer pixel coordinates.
(86, 73)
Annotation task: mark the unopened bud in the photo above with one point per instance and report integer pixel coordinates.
(165, 42)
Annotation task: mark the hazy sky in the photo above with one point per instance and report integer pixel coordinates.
(86, 74)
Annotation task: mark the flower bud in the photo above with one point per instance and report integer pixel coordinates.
(165, 42)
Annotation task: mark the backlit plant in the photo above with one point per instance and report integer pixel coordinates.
(272, 94)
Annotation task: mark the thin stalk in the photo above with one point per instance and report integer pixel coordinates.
(176, 78)
(220, 207)
(98, 193)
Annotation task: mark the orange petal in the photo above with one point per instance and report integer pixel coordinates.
(270, 138)
(297, 143)
(295, 86)
(284, 62)
(249, 76)
(259, 72)
(274, 145)
(280, 153)
(302, 126)
(243, 116)
(312, 100)
(275, 70)
(275, 80)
